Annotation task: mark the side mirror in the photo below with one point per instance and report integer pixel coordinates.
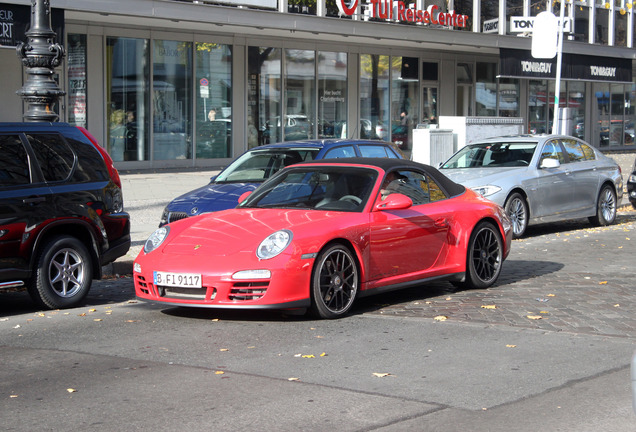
(244, 196)
(395, 201)
(550, 163)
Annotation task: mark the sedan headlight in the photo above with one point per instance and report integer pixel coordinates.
(156, 238)
(486, 190)
(274, 244)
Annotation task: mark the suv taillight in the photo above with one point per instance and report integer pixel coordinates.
(112, 171)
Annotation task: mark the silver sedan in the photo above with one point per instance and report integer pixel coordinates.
(540, 178)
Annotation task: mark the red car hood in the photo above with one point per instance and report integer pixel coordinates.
(242, 230)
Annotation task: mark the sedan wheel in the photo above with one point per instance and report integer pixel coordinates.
(517, 208)
(334, 282)
(605, 207)
(63, 275)
(484, 257)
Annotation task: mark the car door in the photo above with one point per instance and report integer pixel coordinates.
(407, 243)
(584, 173)
(25, 202)
(555, 185)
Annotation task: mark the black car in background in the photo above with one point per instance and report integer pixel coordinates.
(61, 211)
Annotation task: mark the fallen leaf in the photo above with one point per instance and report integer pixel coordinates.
(511, 346)
(617, 305)
(323, 355)
(92, 310)
(13, 396)
(41, 315)
(309, 356)
(603, 283)
(17, 327)
(534, 317)
(293, 379)
(440, 318)
(551, 295)
(224, 349)
(380, 375)
(544, 312)
(489, 306)
(219, 373)
(82, 314)
(449, 298)
(71, 390)
(97, 319)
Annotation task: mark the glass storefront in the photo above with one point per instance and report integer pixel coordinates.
(172, 99)
(76, 60)
(405, 83)
(300, 95)
(213, 90)
(128, 108)
(374, 97)
(332, 94)
(264, 92)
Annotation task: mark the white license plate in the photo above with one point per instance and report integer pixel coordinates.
(186, 280)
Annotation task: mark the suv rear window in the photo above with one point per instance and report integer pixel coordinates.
(54, 155)
(14, 164)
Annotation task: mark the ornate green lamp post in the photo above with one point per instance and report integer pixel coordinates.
(40, 55)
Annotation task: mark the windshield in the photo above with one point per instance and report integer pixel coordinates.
(320, 188)
(258, 165)
(501, 154)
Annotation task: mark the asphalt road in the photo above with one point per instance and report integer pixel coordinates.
(547, 348)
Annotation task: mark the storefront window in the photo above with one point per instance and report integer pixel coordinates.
(76, 61)
(264, 92)
(602, 104)
(300, 94)
(127, 72)
(581, 22)
(213, 100)
(332, 94)
(430, 77)
(374, 97)
(489, 10)
(513, 8)
(537, 107)
(307, 7)
(404, 100)
(620, 26)
(576, 103)
(601, 33)
(486, 89)
(171, 98)
(508, 97)
(464, 7)
(617, 117)
(464, 102)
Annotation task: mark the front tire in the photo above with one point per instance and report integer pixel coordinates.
(484, 256)
(605, 207)
(62, 278)
(335, 282)
(517, 208)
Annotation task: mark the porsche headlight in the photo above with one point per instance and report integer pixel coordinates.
(156, 238)
(486, 190)
(632, 178)
(274, 244)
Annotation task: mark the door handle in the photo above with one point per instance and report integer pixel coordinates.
(441, 223)
(34, 200)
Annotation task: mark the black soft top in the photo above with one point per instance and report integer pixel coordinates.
(389, 164)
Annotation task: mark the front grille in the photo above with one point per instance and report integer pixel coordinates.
(175, 216)
(143, 286)
(185, 293)
(248, 290)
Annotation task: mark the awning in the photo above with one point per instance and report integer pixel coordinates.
(520, 64)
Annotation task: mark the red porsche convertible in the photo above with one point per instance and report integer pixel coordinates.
(320, 234)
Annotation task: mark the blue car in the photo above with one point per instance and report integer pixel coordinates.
(258, 164)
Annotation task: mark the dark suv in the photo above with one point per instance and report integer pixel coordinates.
(61, 211)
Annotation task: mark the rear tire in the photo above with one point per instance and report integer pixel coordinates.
(605, 207)
(484, 257)
(62, 277)
(334, 282)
